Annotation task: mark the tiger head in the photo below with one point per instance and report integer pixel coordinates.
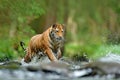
(57, 33)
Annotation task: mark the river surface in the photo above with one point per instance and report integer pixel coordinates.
(107, 67)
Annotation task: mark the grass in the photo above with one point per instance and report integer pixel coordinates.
(72, 49)
(105, 49)
(8, 51)
(93, 51)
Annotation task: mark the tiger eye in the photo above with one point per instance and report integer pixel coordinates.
(57, 30)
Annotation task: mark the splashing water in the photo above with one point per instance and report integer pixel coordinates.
(111, 57)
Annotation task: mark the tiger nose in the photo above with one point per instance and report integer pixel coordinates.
(60, 38)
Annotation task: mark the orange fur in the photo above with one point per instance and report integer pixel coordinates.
(49, 43)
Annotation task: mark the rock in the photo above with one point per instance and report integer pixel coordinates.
(79, 73)
(106, 67)
(10, 65)
(51, 67)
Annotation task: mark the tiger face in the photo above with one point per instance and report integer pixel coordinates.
(57, 33)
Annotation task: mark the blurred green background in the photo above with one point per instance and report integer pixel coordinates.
(92, 26)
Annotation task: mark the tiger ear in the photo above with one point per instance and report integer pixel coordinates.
(54, 25)
(64, 26)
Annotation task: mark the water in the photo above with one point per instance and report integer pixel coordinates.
(111, 57)
(63, 70)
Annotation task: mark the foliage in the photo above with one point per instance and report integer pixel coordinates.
(22, 8)
(17, 14)
(93, 51)
(92, 27)
(10, 48)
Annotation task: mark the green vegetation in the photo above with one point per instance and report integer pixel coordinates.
(92, 27)
(93, 51)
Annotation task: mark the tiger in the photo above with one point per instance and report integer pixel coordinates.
(48, 43)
